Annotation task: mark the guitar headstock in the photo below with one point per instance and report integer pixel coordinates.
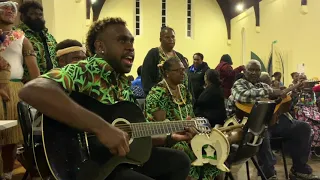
(202, 125)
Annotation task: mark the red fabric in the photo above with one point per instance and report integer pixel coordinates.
(316, 88)
(227, 76)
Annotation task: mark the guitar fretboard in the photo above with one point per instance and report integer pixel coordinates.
(158, 128)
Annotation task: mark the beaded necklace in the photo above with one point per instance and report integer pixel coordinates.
(175, 101)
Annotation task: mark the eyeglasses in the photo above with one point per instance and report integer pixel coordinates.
(178, 70)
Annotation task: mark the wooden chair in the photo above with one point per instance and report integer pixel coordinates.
(25, 119)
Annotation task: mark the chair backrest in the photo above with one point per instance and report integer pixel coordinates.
(141, 103)
(254, 131)
(260, 116)
(25, 117)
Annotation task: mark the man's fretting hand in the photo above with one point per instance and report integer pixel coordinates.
(186, 135)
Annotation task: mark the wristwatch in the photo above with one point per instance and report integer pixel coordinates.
(169, 141)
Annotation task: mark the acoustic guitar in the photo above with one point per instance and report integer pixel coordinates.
(72, 154)
(283, 105)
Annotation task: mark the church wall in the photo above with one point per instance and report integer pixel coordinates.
(209, 35)
(66, 19)
(297, 35)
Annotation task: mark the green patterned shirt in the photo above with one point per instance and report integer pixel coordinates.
(159, 98)
(93, 77)
(38, 46)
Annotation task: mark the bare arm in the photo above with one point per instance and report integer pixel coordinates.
(30, 59)
(48, 97)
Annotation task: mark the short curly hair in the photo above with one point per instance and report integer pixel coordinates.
(26, 5)
(97, 28)
(67, 43)
(200, 55)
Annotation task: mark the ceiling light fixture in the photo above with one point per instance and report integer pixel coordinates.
(240, 6)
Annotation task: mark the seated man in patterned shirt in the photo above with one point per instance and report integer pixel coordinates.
(69, 51)
(297, 133)
(111, 44)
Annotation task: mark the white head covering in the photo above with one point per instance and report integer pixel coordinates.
(9, 3)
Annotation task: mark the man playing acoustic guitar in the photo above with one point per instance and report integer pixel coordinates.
(297, 133)
(102, 77)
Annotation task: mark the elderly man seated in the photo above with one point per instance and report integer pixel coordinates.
(297, 133)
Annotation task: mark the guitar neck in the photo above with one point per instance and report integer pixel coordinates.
(286, 91)
(158, 128)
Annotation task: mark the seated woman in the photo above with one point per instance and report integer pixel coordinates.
(170, 100)
(306, 109)
(277, 80)
(295, 78)
(210, 103)
(294, 94)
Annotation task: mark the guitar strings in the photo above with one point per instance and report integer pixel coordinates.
(151, 126)
(144, 130)
(143, 127)
(129, 128)
(156, 123)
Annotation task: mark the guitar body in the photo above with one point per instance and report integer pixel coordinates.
(282, 107)
(73, 154)
(40, 160)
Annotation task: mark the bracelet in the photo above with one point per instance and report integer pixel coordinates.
(169, 141)
(29, 53)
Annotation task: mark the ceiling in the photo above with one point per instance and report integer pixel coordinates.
(233, 3)
(229, 11)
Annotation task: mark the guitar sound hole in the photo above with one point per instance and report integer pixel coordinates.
(124, 127)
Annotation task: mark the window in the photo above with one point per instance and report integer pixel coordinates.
(189, 18)
(138, 18)
(163, 13)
